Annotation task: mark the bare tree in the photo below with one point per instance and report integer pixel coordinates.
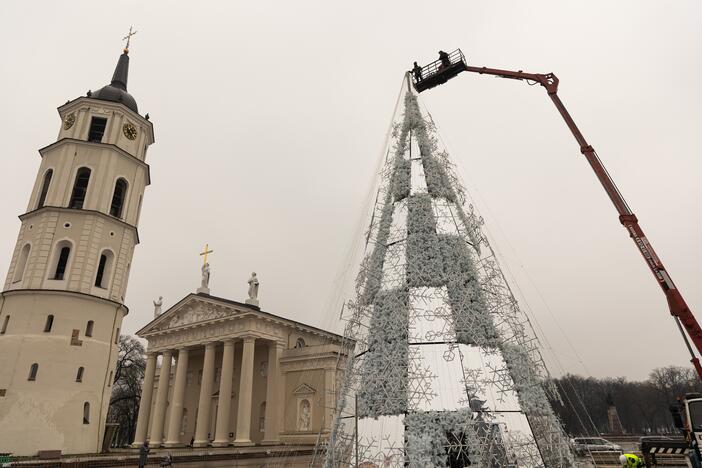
(642, 406)
(126, 391)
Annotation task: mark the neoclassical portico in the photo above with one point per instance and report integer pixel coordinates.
(221, 372)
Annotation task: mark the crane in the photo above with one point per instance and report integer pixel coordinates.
(451, 64)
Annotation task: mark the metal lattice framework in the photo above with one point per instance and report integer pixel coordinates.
(444, 368)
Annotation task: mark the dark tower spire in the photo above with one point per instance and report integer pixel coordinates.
(116, 91)
(119, 77)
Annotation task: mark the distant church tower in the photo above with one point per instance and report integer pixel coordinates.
(63, 301)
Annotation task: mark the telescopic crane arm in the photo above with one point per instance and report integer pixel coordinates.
(678, 307)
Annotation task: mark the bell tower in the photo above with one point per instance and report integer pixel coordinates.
(62, 305)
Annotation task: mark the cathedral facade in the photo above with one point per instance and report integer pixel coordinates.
(241, 377)
(62, 305)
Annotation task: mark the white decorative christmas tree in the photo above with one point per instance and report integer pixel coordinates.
(443, 369)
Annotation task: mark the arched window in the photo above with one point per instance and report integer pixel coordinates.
(89, 328)
(79, 375)
(86, 413)
(62, 260)
(104, 268)
(49, 323)
(33, 371)
(21, 263)
(80, 188)
(118, 197)
(4, 325)
(300, 343)
(262, 418)
(45, 188)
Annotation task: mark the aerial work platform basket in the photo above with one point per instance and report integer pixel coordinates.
(439, 71)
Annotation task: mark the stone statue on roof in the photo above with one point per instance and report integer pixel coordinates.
(157, 306)
(205, 280)
(253, 290)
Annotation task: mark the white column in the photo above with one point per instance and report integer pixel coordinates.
(203, 412)
(161, 398)
(147, 391)
(274, 403)
(225, 396)
(173, 437)
(243, 422)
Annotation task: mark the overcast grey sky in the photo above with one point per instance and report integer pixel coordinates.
(270, 116)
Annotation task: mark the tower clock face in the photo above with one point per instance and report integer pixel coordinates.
(69, 121)
(129, 130)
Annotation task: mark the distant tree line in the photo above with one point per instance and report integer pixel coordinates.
(643, 407)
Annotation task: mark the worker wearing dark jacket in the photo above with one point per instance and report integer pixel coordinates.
(144, 454)
(445, 60)
(631, 461)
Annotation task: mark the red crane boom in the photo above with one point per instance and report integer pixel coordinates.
(440, 71)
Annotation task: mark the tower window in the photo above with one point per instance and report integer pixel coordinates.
(117, 336)
(89, 328)
(118, 197)
(4, 325)
(101, 271)
(21, 263)
(80, 188)
(79, 375)
(49, 323)
(97, 129)
(86, 413)
(45, 188)
(62, 263)
(33, 372)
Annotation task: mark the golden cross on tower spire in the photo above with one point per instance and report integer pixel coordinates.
(127, 38)
(205, 252)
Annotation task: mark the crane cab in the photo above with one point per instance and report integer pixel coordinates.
(439, 71)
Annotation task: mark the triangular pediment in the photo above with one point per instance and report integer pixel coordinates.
(190, 311)
(304, 389)
(195, 309)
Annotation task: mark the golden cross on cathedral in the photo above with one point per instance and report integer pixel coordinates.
(128, 37)
(205, 252)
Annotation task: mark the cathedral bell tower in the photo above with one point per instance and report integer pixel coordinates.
(63, 300)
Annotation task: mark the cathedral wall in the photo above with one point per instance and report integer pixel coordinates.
(293, 380)
(54, 399)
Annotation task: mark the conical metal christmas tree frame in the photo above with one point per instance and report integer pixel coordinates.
(443, 368)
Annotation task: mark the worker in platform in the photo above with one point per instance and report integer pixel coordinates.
(417, 72)
(444, 57)
(630, 460)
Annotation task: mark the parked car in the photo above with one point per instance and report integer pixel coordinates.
(585, 445)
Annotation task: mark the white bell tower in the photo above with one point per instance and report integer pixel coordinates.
(63, 301)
